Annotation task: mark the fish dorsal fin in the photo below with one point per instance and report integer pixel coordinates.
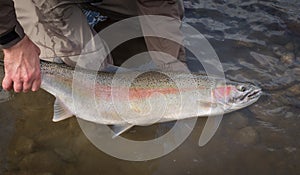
(60, 111)
(210, 129)
(119, 129)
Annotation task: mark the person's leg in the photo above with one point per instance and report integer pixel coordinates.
(116, 9)
(58, 27)
(168, 27)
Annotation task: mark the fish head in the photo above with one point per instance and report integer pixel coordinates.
(235, 95)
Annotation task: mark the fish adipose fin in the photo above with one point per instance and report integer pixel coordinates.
(209, 129)
(60, 111)
(119, 129)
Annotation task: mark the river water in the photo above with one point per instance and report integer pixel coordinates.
(257, 41)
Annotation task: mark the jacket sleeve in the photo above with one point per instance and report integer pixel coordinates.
(11, 31)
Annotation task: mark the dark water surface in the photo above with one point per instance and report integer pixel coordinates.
(256, 41)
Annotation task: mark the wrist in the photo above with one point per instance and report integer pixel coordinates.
(16, 45)
(11, 37)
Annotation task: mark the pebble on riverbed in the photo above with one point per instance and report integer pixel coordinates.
(24, 145)
(285, 53)
(294, 90)
(288, 58)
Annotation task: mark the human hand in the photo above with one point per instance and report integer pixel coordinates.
(22, 67)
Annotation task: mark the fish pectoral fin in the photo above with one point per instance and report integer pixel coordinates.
(61, 112)
(119, 129)
(209, 129)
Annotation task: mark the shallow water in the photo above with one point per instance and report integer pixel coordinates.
(256, 41)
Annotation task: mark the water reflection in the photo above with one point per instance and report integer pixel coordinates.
(257, 41)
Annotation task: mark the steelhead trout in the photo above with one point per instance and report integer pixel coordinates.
(133, 98)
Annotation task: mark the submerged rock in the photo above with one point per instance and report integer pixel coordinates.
(288, 58)
(247, 135)
(290, 46)
(260, 112)
(285, 53)
(24, 145)
(290, 149)
(294, 90)
(293, 26)
(237, 120)
(279, 50)
(45, 161)
(297, 71)
(298, 55)
(276, 140)
(66, 154)
(19, 147)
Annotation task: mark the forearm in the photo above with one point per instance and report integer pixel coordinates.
(11, 31)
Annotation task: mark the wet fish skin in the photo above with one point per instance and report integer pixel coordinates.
(149, 91)
(197, 95)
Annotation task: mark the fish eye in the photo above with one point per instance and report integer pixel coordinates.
(242, 88)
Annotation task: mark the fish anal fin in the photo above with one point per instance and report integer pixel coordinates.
(119, 129)
(60, 111)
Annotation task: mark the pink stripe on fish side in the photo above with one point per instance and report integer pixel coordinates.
(105, 92)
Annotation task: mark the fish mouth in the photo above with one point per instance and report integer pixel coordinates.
(254, 94)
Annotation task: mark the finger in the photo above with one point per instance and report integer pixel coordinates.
(18, 86)
(7, 83)
(36, 85)
(27, 86)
